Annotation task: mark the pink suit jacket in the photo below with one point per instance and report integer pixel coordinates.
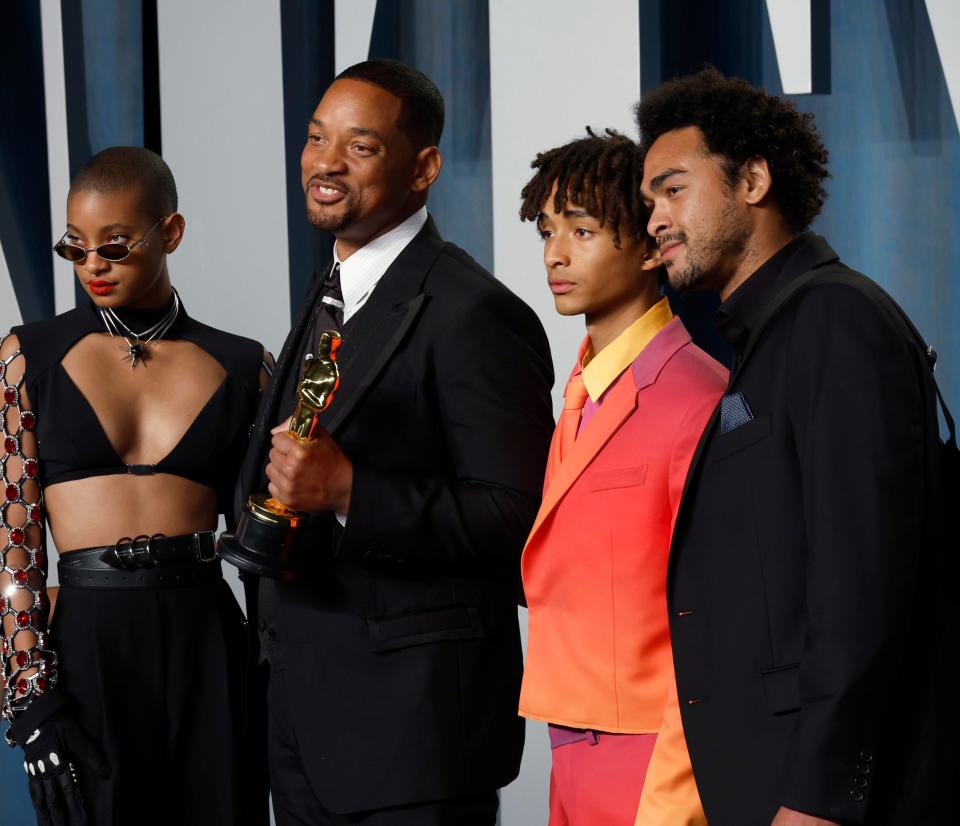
(595, 564)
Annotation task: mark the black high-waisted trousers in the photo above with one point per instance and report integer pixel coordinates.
(157, 677)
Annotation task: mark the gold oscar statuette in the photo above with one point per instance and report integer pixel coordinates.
(265, 541)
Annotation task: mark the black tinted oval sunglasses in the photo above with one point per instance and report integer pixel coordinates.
(108, 252)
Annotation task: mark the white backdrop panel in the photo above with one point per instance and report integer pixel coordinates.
(9, 309)
(790, 24)
(353, 27)
(221, 105)
(945, 22)
(55, 103)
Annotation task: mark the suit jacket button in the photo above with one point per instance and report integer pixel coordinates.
(860, 782)
(856, 794)
(864, 769)
(866, 757)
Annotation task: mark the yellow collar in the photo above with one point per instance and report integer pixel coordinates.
(602, 369)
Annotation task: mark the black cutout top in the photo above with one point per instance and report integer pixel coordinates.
(71, 442)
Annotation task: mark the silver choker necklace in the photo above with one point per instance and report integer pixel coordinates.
(138, 344)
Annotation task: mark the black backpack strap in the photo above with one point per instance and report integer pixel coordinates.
(883, 300)
(773, 308)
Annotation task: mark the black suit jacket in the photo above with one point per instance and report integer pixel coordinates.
(800, 594)
(402, 649)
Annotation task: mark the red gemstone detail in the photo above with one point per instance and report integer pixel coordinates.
(23, 686)
(43, 603)
(17, 536)
(3, 610)
(10, 445)
(21, 577)
(30, 468)
(23, 619)
(10, 395)
(6, 648)
(23, 659)
(41, 684)
(28, 420)
(13, 492)
(35, 513)
(40, 559)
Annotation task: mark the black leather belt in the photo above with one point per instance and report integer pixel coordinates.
(143, 562)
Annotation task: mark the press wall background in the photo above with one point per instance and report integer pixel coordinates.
(223, 91)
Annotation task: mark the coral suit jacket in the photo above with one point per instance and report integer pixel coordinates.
(595, 566)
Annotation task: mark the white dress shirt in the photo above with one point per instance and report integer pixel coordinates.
(361, 272)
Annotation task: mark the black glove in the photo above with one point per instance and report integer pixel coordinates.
(51, 741)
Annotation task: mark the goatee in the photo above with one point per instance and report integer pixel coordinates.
(328, 223)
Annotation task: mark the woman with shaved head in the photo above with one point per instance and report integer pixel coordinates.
(124, 421)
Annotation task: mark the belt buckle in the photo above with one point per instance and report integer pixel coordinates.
(137, 552)
(123, 548)
(212, 555)
(143, 554)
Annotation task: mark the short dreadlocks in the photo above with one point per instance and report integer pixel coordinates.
(740, 122)
(601, 173)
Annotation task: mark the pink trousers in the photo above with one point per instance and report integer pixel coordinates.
(599, 783)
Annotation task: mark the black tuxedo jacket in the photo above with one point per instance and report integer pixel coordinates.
(808, 658)
(402, 649)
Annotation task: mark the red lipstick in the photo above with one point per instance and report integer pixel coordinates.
(98, 287)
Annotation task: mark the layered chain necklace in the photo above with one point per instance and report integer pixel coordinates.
(138, 344)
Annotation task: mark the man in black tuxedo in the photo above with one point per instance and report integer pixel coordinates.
(803, 611)
(395, 662)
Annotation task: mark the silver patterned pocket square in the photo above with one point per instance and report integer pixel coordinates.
(734, 412)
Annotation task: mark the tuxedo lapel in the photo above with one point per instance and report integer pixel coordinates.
(286, 361)
(366, 349)
(615, 410)
(372, 337)
(259, 440)
(811, 255)
(368, 343)
(620, 403)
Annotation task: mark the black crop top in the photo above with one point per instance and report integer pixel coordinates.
(71, 443)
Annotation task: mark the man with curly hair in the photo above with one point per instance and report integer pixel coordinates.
(598, 667)
(809, 660)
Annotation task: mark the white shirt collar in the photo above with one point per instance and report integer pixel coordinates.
(361, 272)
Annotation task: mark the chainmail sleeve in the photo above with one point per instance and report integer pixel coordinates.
(28, 665)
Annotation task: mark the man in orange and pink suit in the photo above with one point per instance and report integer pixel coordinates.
(599, 668)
